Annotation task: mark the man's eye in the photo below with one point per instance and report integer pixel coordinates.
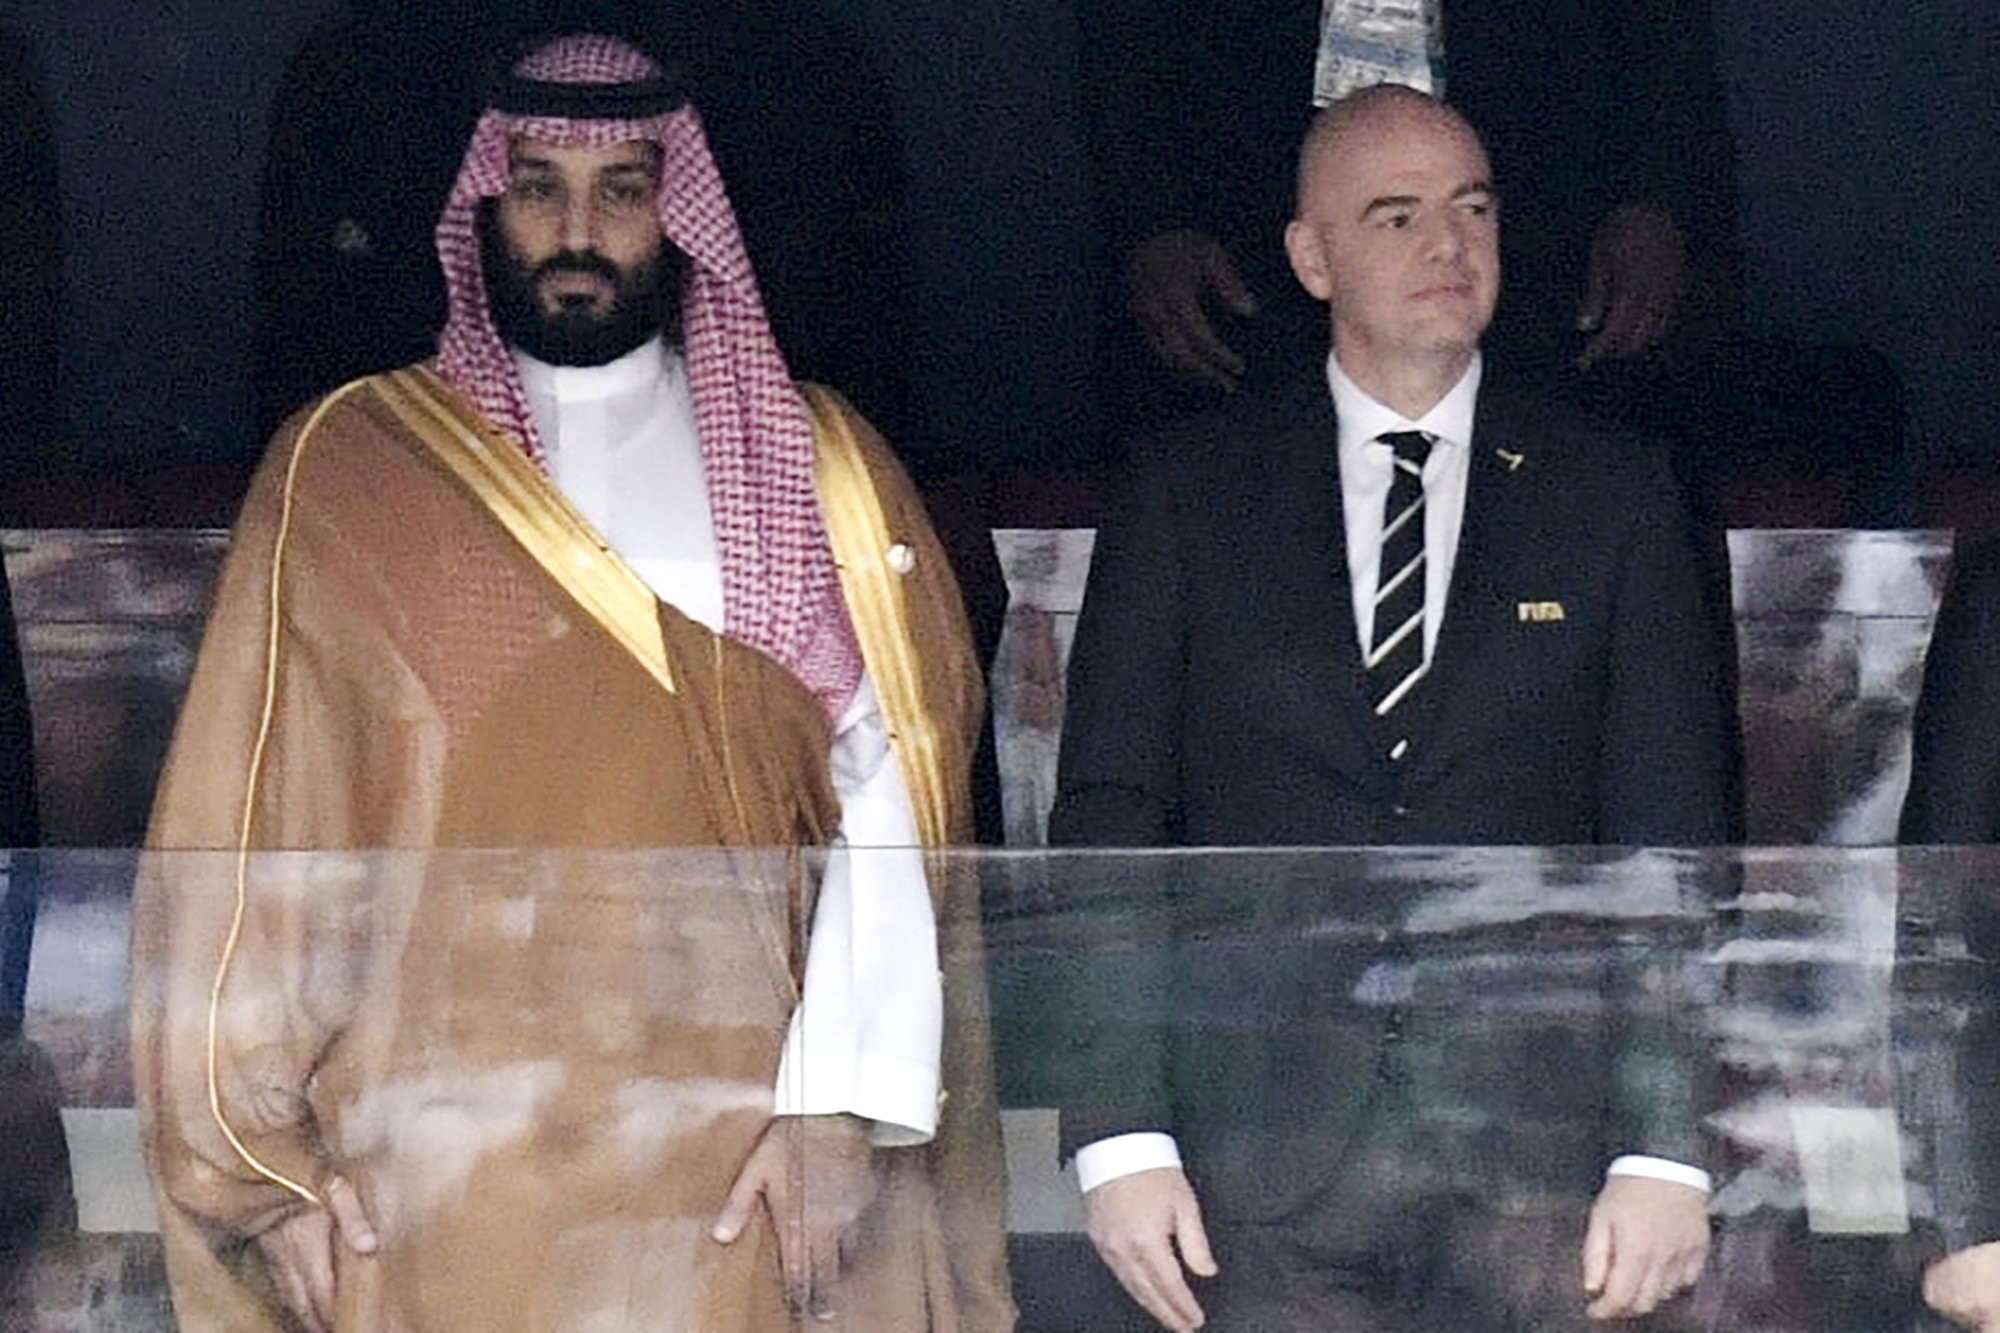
(1396, 221)
(534, 189)
(627, 195)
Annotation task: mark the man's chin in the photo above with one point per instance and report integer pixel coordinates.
(564, 340)
(1454, 329)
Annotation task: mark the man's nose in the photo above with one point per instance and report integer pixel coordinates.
(579, 223)
(1446, 238)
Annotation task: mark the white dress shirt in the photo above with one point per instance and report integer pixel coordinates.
(622, 445)
(1366, 469)
(1367, 466)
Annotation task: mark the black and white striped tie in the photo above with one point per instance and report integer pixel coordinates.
(1396, 658)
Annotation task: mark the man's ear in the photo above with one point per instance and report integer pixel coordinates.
(1307, 252)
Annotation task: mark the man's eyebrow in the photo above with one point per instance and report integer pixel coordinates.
(1391, 202)
(1388, 202)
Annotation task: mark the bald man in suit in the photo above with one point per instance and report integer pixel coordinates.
(1249, 670)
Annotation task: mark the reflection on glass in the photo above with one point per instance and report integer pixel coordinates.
(1410, 1068)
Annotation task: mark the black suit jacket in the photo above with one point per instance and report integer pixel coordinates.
(1954, 794)
(1954, 798)
(1216, 694)
(1216, 697)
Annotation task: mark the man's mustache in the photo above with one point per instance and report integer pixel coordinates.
(588, 262)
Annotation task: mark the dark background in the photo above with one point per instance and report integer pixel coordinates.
(1868, 147)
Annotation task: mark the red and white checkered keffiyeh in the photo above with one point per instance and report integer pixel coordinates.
(781, 593)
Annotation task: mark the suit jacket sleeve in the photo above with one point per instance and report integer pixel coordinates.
(1666, 750)
(1118, 781)
(1107, 1009)
(1954, 797)
(1954, 794)
(1666, 780)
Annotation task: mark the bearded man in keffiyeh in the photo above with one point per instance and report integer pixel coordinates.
(598, 576)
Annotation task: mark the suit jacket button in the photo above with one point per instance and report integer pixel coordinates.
(1400, 811)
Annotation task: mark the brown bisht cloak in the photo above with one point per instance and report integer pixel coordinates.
(541, 1068)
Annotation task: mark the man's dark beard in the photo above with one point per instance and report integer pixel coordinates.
(646, 300)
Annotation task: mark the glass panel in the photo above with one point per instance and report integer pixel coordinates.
(1397, 1078)
(1831, 628)
(109, 623)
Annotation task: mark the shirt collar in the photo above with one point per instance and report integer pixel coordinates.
(577, 384)
(1362, 418)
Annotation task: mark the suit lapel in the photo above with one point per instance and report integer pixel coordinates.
(1312, 479)
(1494, 550)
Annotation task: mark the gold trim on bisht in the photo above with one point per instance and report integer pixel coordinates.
(873, 561)
(532, 510)
(267, 711)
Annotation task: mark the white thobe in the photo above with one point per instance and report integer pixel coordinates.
(622, 445)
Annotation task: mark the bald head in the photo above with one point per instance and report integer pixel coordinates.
(1396, 231)
(1382, 109)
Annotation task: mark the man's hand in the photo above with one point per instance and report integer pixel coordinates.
(300, 1251)
(1172, 281)
(1645, 1244)
(816, 1174)
(1964, 1287)
(1636, 282)
(1145, 1226)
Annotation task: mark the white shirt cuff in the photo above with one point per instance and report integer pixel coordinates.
(900, 1096)
(1124, 1155)
(1660, 1168)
